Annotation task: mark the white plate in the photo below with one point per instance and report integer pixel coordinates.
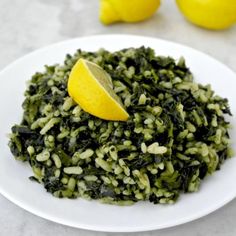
(216, 190)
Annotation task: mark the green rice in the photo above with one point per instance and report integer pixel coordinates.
(175, 136)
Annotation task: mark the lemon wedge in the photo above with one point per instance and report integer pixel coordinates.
(91, 87)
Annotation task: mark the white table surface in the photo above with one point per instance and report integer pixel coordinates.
(27, 25)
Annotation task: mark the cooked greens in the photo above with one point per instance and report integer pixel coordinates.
(176, 133)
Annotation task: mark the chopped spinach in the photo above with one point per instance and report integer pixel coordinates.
(175, 136)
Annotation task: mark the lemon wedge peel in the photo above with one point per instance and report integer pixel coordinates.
(91, 87)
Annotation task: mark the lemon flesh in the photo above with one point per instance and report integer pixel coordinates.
(210, 14)
(91, 87)
(127, 10)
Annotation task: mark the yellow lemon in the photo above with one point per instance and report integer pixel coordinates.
(127, 10)
(210, 14)
(91, 87)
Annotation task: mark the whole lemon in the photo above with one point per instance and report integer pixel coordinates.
(127, 10)
(210, 14)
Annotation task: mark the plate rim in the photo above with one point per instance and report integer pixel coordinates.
(68, 41)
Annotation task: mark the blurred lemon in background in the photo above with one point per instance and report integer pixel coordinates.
(112, 11)
(210, 14)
